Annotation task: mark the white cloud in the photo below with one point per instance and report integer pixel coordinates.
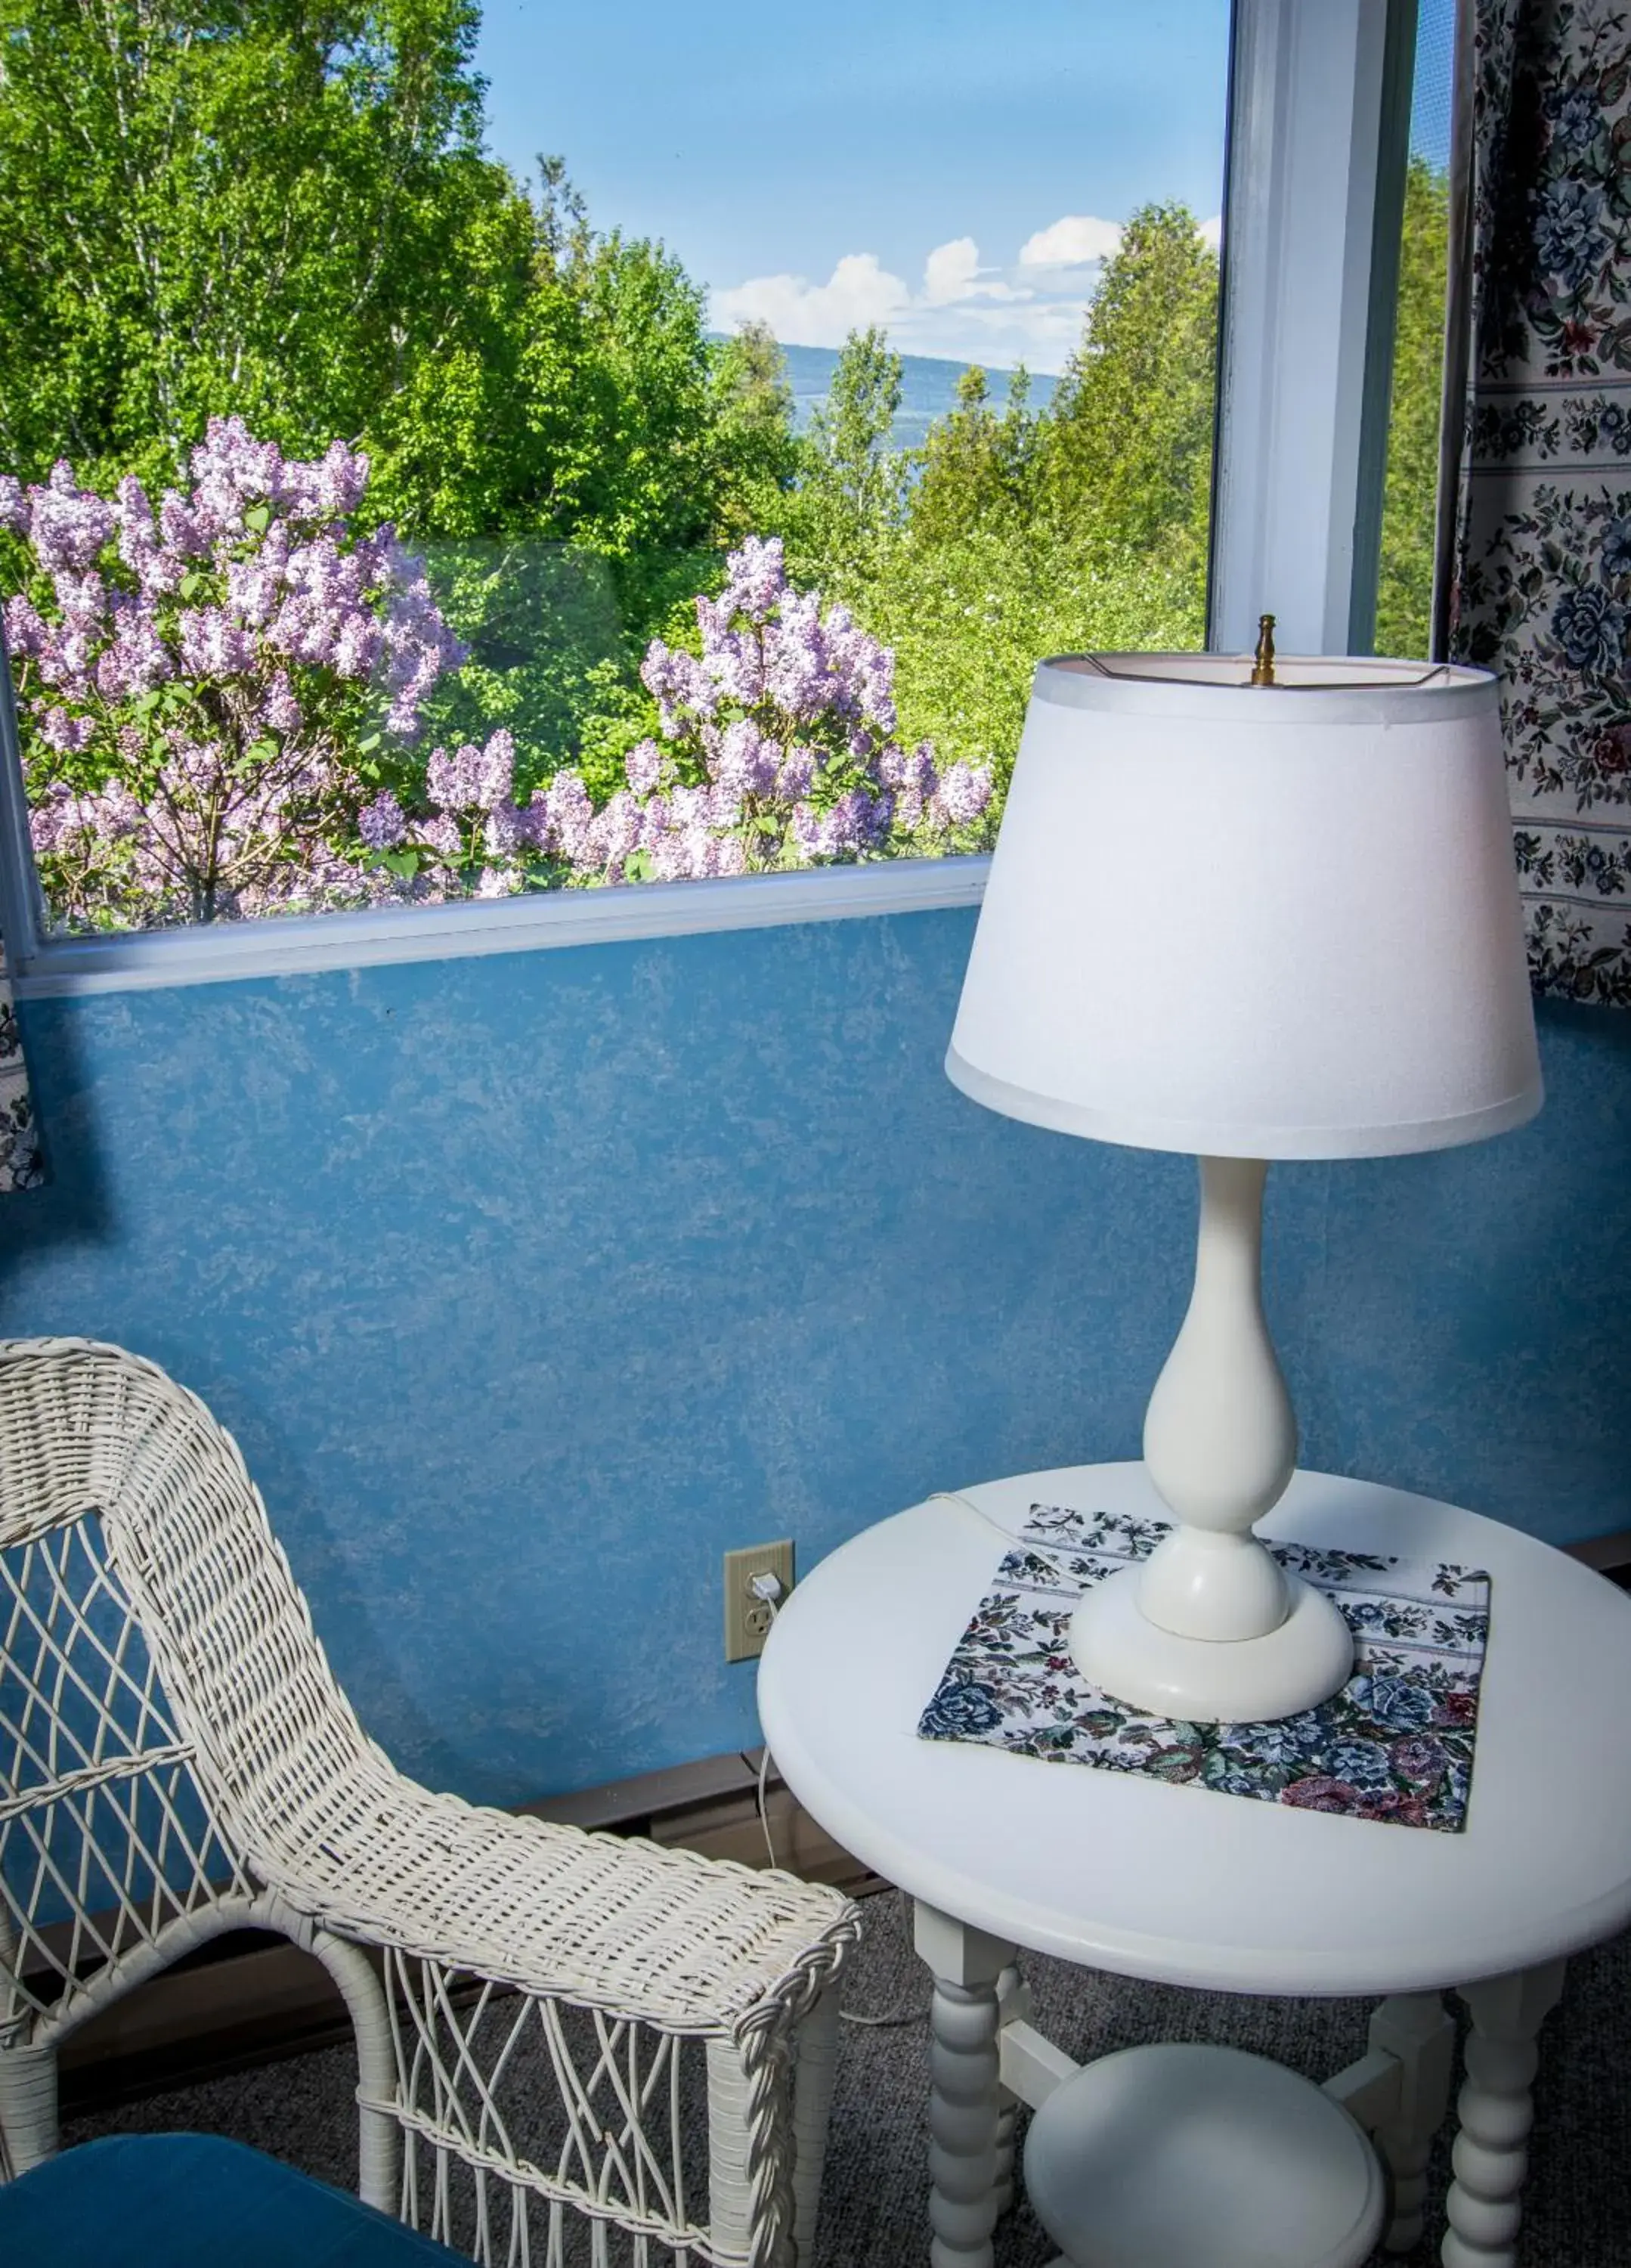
(1031, 310)
(952, 271)
(1077, 240)
(859, 292)
(1212, 231)
(953, 274)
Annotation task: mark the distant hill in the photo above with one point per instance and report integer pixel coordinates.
(927, 389)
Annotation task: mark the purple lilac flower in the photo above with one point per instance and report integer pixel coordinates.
(755, 578)
(68, 526)
(67, 733)
(212, 644)
(137, 660)
(442, 835)
(356, 644)
(678, 682)
(472, 778)
(795, 774)
(265, 602)
(570, 815)
(746, 764)
(381, 824)
(965, 792)
(182, 531)
(507, 830)
(280, 710)
(642, 767)
(25, 633)
(82, 599)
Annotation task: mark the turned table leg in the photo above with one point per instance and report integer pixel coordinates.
(1495, 2112)
(965, 2104)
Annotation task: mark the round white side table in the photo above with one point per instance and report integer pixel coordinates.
(1185, 1887)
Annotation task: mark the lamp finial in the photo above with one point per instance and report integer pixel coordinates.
(1263, 661)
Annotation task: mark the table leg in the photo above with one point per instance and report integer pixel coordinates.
(1415, 2029)
(966, 2098)
(1496, 2111)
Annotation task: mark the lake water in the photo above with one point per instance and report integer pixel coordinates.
(927, 389)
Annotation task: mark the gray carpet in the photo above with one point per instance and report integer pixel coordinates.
(1577, 2203)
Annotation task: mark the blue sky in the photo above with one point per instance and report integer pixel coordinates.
(954, 169)
(806, 162)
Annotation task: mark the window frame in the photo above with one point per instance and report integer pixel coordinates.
(1316, 142)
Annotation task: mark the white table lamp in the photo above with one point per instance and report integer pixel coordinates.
(1249, 914)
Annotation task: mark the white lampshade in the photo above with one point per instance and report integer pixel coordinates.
(1255, 921)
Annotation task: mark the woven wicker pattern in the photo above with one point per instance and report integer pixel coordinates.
(176, 1758)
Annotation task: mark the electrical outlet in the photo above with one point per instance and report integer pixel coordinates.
(748, 1619)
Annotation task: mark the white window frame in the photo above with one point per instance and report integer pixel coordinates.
(1319, 103)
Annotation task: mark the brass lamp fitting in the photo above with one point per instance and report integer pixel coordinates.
(1263, 662)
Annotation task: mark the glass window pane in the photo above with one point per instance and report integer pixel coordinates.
(430, 519)
(1404, 587)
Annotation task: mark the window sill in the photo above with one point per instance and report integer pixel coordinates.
(299, 946)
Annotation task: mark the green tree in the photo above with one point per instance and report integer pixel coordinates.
(258, 205)
(758, 451)
(576, 405)
(1405, 589)
(977, 465)
(854, 488)
(1128, 446)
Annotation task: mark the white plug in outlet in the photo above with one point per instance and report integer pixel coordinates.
(748, 1617)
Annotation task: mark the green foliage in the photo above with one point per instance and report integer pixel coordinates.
(969, 619)
(1128, 440)
(584, 416)
(854, 487)
(751, 412)
(978, 468)
(539, 620)
(1405, 589)
(251, 205)
(1024, 535)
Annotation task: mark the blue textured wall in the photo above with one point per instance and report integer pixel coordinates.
(531, 1283)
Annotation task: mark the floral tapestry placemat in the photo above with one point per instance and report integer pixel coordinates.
(1396, 1743)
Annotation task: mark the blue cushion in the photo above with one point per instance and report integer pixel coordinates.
(194, 2201)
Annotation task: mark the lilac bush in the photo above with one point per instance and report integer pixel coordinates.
(781, 751)
(210, 693)
(220, 700)
(473, 840)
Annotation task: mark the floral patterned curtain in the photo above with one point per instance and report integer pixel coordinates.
(1540, 520)
(21, 1166)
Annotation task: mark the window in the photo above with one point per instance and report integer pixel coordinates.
(695, 505)
(432, 524)
(1404, 607)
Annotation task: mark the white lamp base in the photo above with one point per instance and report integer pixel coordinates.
(1210, 1680)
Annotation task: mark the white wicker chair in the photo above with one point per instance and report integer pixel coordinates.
(176, 1760)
